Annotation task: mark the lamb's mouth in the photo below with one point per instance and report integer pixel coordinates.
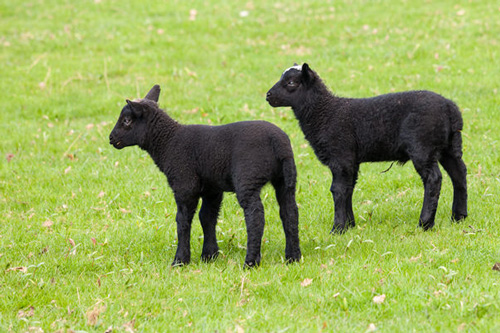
(117, 145)
(270, 100)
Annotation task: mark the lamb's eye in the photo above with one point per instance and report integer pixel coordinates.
(291, 83)
(127, 122)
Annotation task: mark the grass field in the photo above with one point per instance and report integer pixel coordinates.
(87, 232)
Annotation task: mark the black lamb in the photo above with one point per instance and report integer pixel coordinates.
(420, 126)
(205, 161)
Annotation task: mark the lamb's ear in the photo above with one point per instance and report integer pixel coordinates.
(137, 108)
(307, 74)
(154, 93)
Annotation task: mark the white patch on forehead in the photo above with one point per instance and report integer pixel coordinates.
(297, 67)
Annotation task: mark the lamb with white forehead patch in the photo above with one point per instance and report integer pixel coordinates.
(420, 126)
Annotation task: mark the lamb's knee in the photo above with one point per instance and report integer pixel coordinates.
(430, 174)
(285, 195)
(462, 176)
(340, 190)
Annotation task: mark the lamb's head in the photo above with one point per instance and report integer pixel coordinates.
(131, 127)
(293, 86)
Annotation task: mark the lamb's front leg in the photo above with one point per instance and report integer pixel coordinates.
(185, 212)
(342, 189)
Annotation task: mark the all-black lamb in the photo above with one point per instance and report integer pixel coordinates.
(205, 161)
(420, 126)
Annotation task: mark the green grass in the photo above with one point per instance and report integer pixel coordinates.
(87, 232)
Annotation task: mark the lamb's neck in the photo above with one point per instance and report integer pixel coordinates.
(315, 111)
(161, 132)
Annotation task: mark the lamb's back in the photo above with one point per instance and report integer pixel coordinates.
(373, 127)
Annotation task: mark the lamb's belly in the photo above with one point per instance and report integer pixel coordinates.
(384, 154)
(218, 184)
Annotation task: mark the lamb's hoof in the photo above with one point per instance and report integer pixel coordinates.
(208, 257)
(179, 263)
(290, 260)
(426, 225)
(458, 217)
(293, 255)
(338, 229)
(251, 264)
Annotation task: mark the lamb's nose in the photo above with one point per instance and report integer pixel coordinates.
(268, 94)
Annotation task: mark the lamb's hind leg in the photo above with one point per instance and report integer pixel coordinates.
(350, 212)
(249, 200)
(431, 177)
(289, 215)
(456, 169)
(208, 218)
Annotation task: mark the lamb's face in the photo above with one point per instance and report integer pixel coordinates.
(291, 87)
(129, 129)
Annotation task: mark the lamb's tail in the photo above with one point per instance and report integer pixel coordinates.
(283, 151)
(456, 129)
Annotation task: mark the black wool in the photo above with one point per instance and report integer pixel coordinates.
(420, 126)
(205, 161)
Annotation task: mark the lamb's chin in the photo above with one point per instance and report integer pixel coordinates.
(274, 103)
